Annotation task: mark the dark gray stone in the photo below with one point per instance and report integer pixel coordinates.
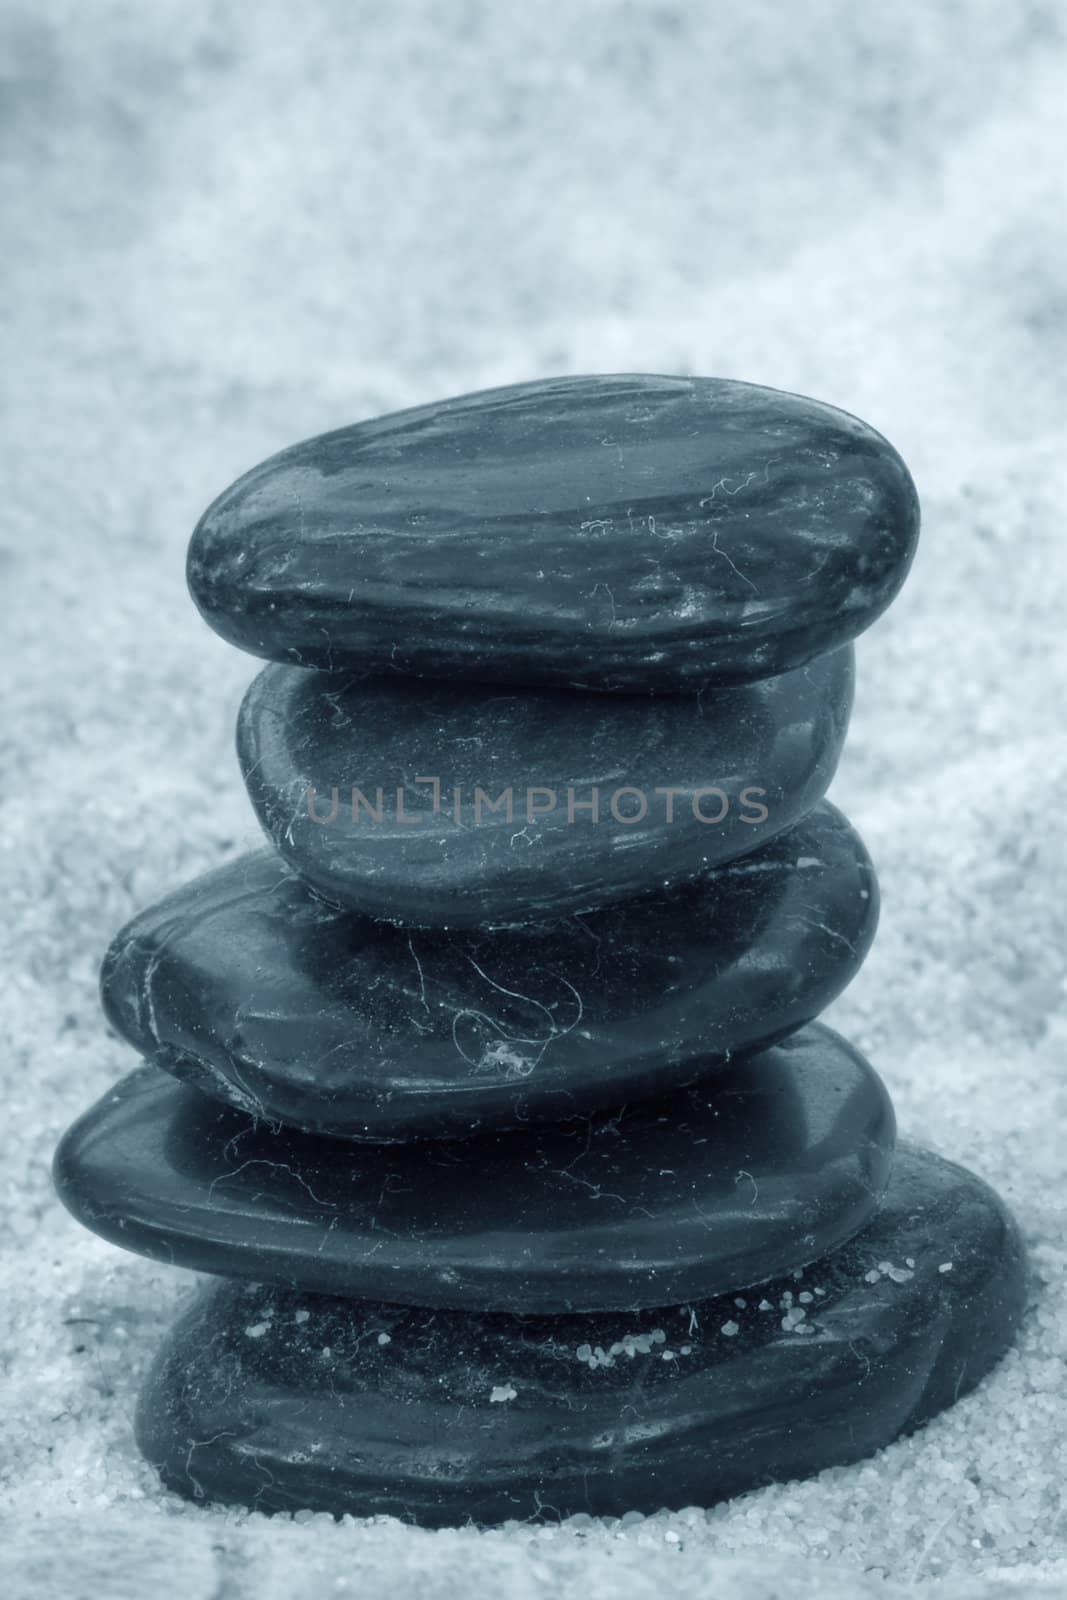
(628, 532)
(523, 842)
(247, 985)
(282, 1402)
(777, 1161)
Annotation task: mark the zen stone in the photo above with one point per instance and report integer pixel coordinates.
(778, 1162)
(624, 533)
(459, 805)
(247, 985)
(286, 1402)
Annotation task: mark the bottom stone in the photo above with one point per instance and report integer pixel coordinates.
(282, 1401)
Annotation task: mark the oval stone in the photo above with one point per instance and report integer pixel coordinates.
(250, 987)
(649, 1204)
(627, 532)
(286, 1402)
(457, 805)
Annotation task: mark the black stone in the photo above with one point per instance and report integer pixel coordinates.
(778, 1161)
(247, 985)
(744, 764)
(624, 532)
(283, 1402)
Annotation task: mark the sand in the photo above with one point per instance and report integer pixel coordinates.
(236, 225)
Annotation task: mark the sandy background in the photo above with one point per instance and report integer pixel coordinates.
(235, 225)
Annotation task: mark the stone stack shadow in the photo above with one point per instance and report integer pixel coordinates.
(492, 1092)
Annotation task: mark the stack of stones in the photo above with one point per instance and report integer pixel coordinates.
(492, 1092)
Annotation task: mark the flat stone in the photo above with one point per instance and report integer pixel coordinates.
(778, 1161)
(629, 532)
(458, 805)
(284, 1402)
(250, 987)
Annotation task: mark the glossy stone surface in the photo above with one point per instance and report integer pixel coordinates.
(250, 987)
(778, 1161)
(284, 1402)
(742, 763)
(628, 532)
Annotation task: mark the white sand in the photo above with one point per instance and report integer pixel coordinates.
(241, 224)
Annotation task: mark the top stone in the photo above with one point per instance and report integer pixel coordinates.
(623, 533)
